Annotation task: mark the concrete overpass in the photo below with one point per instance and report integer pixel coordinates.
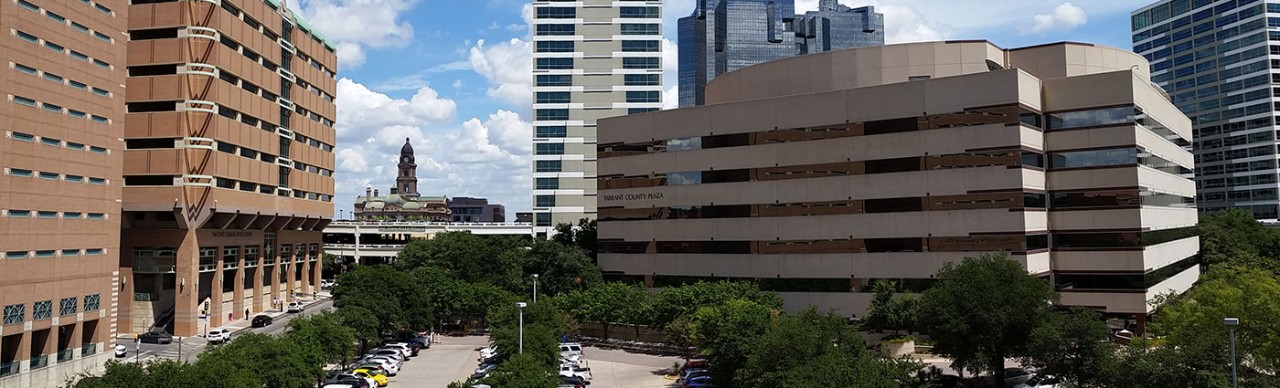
(381, 241)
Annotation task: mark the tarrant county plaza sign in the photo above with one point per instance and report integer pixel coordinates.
(631, 197)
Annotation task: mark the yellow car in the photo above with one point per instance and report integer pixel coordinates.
(378, 377)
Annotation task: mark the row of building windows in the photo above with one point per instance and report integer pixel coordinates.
(232, 184)
(627, 63)
(1065, 241)
(628, 80)
(623, 12)
(61, 80)
(52, 142)
(53, 176)
(16, 313)
(63, 21)
(256, 26)
(1065, 200)
(49, 107)
(61, 49)
(40, 254)
(1106, 158)
(1231, 168)
(231, 78)
(15, 213)
(233, 149)
(563, 98)
(1239, 195)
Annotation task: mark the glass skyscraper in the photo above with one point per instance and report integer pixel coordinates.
(725, 35)
(1211, 56)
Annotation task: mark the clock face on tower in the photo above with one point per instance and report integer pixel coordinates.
(404, 159)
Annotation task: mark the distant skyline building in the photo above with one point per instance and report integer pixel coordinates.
(725, 35)
(592, 59)
(1212, 59)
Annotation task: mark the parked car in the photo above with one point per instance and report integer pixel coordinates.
(386, 365)
(571, 348)
(156, 337)
(383, 360)
(699, 381)
(404, 348)
(690, 372)
(1041, 382)
(572, 382)
(489, 352)
(326, 283)
(575, 371)
(379, 378)
(121, 351)
(218, 336)
(295, 307)
(392, 353)
(262, 321)
(348, 378)
(338, 385)
(484, 369)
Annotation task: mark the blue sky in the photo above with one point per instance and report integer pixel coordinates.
(453, 76)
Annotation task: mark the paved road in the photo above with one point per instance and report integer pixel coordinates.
(191, 347)
(452, 359)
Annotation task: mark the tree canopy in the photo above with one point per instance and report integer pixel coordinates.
(982, 311)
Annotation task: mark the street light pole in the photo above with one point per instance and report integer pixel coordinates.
(521, 305)
(1231, 326)
(535, 288)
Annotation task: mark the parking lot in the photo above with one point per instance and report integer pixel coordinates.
(454, 359)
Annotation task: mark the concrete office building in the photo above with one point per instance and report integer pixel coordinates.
(228, 161)
(725, 35)
(62, 118)
(592, 59)
(817, 174)
(1212, 58)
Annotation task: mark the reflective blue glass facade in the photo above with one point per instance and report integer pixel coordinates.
(1211, 56)
(725, 35)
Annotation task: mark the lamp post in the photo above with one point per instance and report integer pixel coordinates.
(535, 288)
(340, 211)
(521, 305)
(1231, 326)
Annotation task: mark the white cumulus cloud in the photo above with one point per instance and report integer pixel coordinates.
(508, 66)
(1064, 17)
(353, 25)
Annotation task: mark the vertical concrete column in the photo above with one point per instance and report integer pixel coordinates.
(258, 290)
(186, 291)
(292, 274)
(316, 270)
(275, 275)
(306, 270)
(217, 317)
(238, 292)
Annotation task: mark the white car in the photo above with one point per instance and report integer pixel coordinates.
(121, 351)
(388, 358)
(217, 336)
(326, 283)
(401, 346)
(371, 381)
(339, 385)
(295, 307)
(570, 370)
(489, 352)
(390, 353)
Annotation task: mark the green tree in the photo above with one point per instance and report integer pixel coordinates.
(889, 312)
(323, 338)
(278, 362)
(582, 236)
(812, 349)
(1232, 236)
(982, 311)
(1192, 322)
(684, 300)
(522, 371)
(727, 333)
(364, 325)
(560, 268)
(392, 296)
(609, 303)
(1072, 345)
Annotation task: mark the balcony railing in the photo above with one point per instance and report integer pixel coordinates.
(40, 361)
(8, 368)
(152, 268)
(206, 267)
(65, 355)
(88, 349)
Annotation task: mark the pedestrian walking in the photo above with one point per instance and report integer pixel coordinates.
(246, 313)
